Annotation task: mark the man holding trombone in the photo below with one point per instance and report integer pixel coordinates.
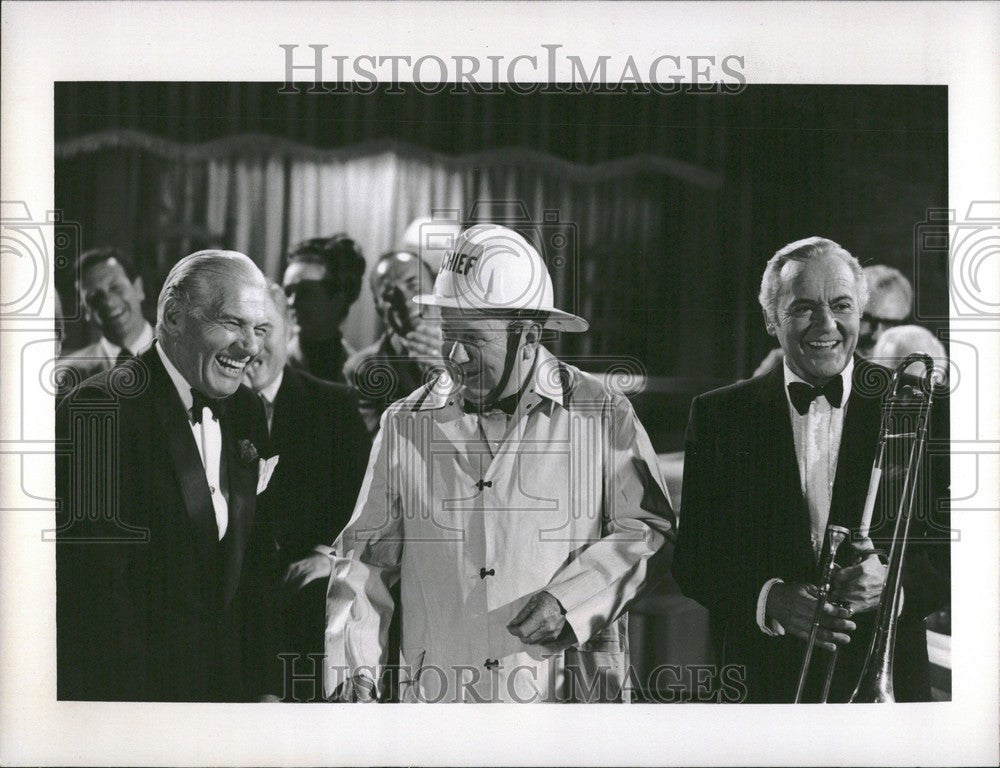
(770, 464)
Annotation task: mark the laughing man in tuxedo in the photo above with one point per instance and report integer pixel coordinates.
(770, 462)
(164, 569)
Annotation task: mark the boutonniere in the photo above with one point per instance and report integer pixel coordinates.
(265, 467)
(248, 452)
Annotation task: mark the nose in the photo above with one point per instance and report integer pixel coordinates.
(823, 319)
(249, 343)
(458, 355)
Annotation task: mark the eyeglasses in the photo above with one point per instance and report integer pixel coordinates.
(875, 320)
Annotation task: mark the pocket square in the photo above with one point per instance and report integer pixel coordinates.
(264, 471)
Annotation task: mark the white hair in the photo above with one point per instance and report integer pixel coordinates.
(193, 281)
(803, 251)
(883, 279)
(896, 343)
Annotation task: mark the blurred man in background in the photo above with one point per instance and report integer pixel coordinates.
(397, 363)
(430, 238)
(111, 292)
(899, 341)
(316, 430)
(890, 304)
(322, 281)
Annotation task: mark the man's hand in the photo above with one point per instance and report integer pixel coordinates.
(358, 689)
(793, 607)
(860, 585)
(541, 621)
(424, 344)
(301, 572)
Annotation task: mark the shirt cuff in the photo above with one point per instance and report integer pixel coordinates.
(323, 549)
(769, 627)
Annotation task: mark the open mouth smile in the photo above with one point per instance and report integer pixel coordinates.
(231, 366)
(822, 346)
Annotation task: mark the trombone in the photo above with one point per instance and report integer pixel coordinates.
(903, 400)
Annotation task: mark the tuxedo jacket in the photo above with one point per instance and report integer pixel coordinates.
(744, 520)
(323, 448)
(151, 605)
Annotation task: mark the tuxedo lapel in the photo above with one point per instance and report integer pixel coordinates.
(780, 469)
(242, 478)
(187, 465)
(857, 451)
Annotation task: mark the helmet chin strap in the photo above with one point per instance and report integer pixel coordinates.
(513, 344)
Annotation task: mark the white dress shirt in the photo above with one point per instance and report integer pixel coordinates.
(208, 437)
(141, 344)
(817, 435)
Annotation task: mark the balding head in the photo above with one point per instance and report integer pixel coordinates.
(896, 343)
(264, 370)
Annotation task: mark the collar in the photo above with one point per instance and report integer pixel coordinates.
(544, 380)
(180, 383)
(270, 392)
(847, 375)
(143, 342)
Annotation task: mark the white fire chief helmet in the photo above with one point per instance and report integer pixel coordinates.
(493, 268)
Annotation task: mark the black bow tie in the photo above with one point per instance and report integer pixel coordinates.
(201, 402)
(508, 405)
(801, 394)
(123, 356)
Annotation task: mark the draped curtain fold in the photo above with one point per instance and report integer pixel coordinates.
(615, 223)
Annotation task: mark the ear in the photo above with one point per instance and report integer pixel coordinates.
(87, 314)
(769, 324)
(173, 317)
(532, 338)
(137, 284)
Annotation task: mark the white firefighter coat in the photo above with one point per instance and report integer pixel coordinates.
(567, 498)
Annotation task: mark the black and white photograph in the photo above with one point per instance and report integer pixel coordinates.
(544, 373)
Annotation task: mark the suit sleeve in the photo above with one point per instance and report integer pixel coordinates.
(697, 545)
(366, 564)
(638, 532)
(96, 618)
(350, 458)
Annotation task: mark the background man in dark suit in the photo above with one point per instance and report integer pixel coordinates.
(164, 564)
(317, 432)
(767, 469)
(111, 293)
(323, 280)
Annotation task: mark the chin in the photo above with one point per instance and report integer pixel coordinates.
(223, 387)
